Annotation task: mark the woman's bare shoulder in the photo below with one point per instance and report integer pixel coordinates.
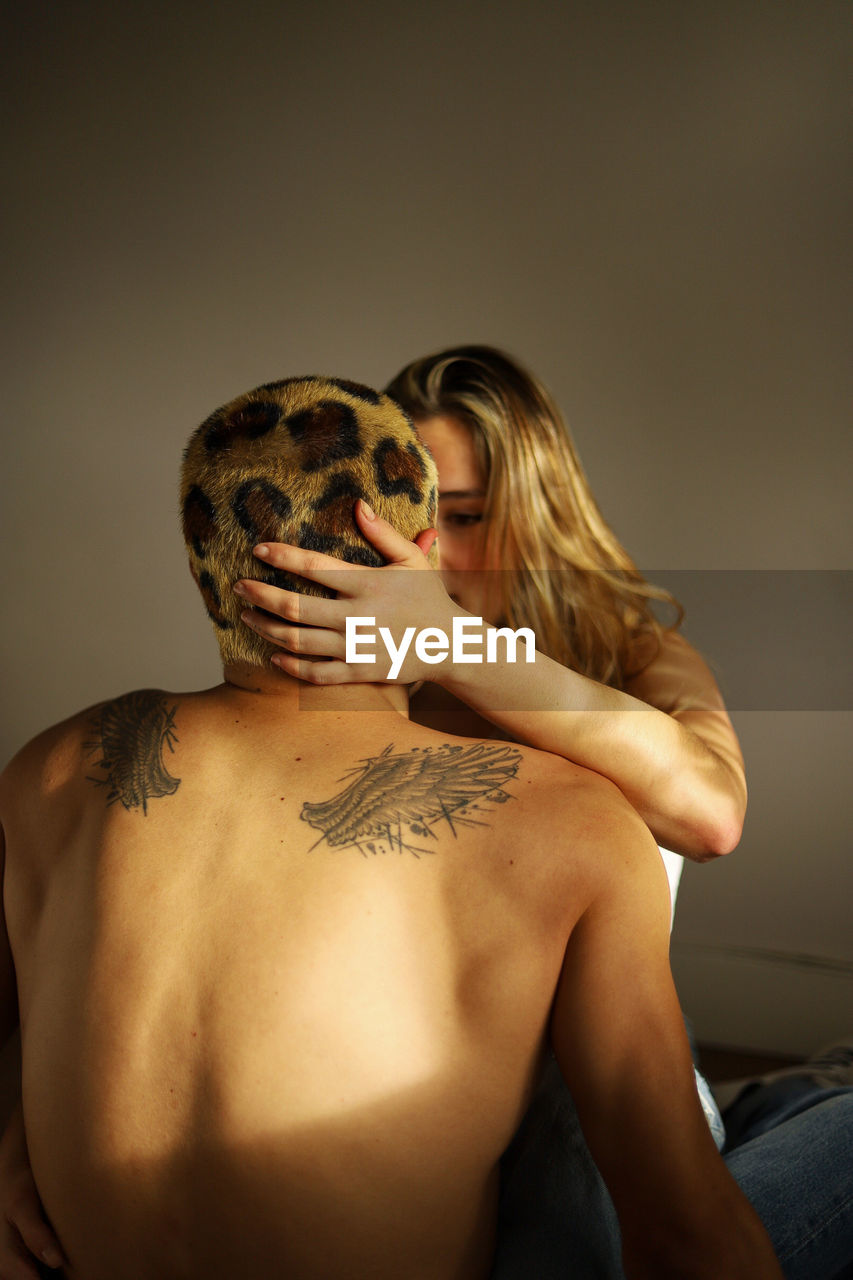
(672, 675)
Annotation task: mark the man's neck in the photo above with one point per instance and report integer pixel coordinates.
(280, 690)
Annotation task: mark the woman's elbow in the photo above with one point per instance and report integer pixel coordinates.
(721, 840)
(723, 828)
(702, 837)
(724, 811)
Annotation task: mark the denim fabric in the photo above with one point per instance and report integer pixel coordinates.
(556, 1217)
(791, 1149)
(794, 1162)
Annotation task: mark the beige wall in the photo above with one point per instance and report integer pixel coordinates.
(649, 202)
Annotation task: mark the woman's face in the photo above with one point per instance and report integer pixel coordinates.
(461, 501)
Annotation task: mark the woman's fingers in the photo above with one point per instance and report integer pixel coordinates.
(316, 641)
(27, 1236)
(384, 537)
(310, 627)
(25, 1233)
(424, 540)
(16, 1262)
(313, 565)
(312, 611)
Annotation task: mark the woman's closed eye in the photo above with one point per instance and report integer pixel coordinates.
(461, 519)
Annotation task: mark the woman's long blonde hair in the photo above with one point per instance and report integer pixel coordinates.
(569, 577)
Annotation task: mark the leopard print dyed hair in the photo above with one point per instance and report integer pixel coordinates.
(286, 463)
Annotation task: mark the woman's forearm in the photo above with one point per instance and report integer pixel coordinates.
(667, 742)
(691, 796)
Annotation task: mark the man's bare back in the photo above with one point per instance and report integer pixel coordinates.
(284, 981)
(286, 964)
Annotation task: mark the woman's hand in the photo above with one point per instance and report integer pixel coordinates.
(26, 1238)
(313, 628)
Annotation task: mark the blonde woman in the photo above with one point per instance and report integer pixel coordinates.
(524, 545)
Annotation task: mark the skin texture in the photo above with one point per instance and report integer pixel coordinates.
(300, 1018)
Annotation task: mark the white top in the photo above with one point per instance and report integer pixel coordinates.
(674, 864)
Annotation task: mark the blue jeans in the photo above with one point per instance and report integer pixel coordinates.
(793, 1159)
(790, 1147)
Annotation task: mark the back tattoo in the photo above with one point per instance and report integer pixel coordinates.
(131, 732)
(396, 799)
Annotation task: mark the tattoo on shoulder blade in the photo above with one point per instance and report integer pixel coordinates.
(395, 800)
(130, 733)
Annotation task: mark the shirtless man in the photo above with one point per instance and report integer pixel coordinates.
(287, 964)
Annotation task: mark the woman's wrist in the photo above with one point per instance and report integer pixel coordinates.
(512, 679)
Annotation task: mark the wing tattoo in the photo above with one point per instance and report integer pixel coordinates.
(394, 799)
(131, 732)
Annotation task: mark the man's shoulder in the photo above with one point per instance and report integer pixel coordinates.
(60, 753)
(551, 798)
(552, 784)
(580, 831)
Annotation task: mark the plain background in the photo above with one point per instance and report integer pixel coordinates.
(649, 203)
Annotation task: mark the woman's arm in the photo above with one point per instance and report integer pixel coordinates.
(667, 742)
